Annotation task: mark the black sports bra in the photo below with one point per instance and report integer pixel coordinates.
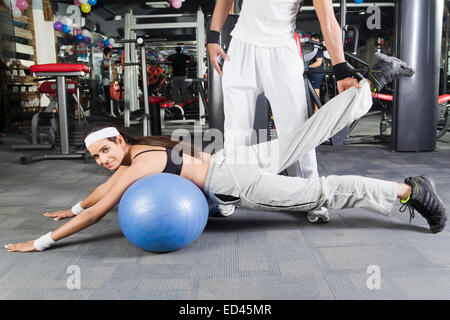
(171, 166)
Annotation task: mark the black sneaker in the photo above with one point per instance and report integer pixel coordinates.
(424, 199)
(384, 69)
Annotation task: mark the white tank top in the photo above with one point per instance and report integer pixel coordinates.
(268, 23)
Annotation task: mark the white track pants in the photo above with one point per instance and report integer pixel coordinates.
(278, 72)
(250, 173)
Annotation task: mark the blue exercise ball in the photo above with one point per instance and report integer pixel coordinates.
(163, 212)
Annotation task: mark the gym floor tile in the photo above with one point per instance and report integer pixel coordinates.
(252, 254)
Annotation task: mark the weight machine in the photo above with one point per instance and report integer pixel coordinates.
(131, 26)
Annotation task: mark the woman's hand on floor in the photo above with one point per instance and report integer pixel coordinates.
(59, 215)
(21, 247)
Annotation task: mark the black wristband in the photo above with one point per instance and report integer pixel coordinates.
(212, 36)
(342, 71)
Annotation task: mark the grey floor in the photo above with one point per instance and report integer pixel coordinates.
(250, 255)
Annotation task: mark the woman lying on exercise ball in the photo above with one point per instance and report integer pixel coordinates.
(249, 174)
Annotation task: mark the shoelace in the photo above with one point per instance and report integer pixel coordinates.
(410, 208)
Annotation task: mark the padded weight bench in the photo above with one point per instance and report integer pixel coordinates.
(171, 104)
(60, 71)
(36, 131)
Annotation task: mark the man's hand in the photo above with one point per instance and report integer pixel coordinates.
(214, 51)
(59, 215)
(347, 83)
(21, 247)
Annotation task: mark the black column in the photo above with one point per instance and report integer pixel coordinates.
(419, 28)
(155, 119)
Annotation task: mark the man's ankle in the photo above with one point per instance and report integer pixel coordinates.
(404, 191)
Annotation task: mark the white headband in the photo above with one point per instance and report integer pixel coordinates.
(101, 134)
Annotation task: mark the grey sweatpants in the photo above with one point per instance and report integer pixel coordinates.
(250, 173)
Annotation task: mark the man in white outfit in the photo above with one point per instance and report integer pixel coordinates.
(264, 57)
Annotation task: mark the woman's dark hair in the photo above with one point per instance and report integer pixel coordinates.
(156, 141)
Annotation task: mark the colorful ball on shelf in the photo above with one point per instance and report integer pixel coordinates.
(67, 21)
(86, 7)
(66, 29)
(78, 31)
(79, 37)
(87, 40)
(58, 25)
(86, 33)
(176, 4)
(106, 42)
(16, 12)
(22, 4)
(77, 3)
(92, 2)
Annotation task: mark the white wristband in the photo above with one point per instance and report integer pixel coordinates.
(77, 209)
(44, 242)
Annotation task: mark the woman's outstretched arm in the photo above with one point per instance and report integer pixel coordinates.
(91, 199)
(140, 168)
(103, 189)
